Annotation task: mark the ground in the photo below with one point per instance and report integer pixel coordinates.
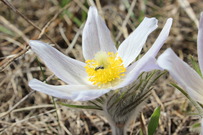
(60, 22)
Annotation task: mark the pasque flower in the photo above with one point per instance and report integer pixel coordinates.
(186, 76)
(105, 68)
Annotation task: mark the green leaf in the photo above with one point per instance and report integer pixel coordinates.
(6, 31)
(80, 106)
(195, 65)
(154, 121)
(180, 89)
(141, 133)
(196, 125)
(195, 103)
(64, 2)
(42, 71)
(84, 16)
(76, 20)
(94, 103)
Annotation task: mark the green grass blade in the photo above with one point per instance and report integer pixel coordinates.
(154, 121)
(195, 65)
(64, 2)
(80, 106)
(6, 31)
(196, 104)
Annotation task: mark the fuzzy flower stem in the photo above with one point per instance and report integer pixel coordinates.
(118, 129)
(121, 107)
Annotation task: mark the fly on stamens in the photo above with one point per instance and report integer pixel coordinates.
(99, 67)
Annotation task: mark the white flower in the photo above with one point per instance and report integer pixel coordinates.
(187, 77)
(106, 68)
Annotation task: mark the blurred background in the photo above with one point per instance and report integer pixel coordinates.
(60, 23)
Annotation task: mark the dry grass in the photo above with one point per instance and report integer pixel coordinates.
(23, 111)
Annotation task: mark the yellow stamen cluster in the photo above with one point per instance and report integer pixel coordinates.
(105, 69)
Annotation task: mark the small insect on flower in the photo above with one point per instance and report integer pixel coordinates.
(99, 67)
(105, 68)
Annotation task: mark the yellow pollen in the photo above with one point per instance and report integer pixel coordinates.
(105, 70)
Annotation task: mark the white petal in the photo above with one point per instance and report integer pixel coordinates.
(132, 46)
(96, 36)
(200, 43)
(143, 65)
(157, 44)
(72, 92)
(132, 66)
(195, 95)
(182, 73)
(160, 40)
(69, 70)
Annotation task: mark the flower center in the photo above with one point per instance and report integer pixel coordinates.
(105, 70)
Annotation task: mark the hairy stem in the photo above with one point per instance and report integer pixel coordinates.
(118, 129)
